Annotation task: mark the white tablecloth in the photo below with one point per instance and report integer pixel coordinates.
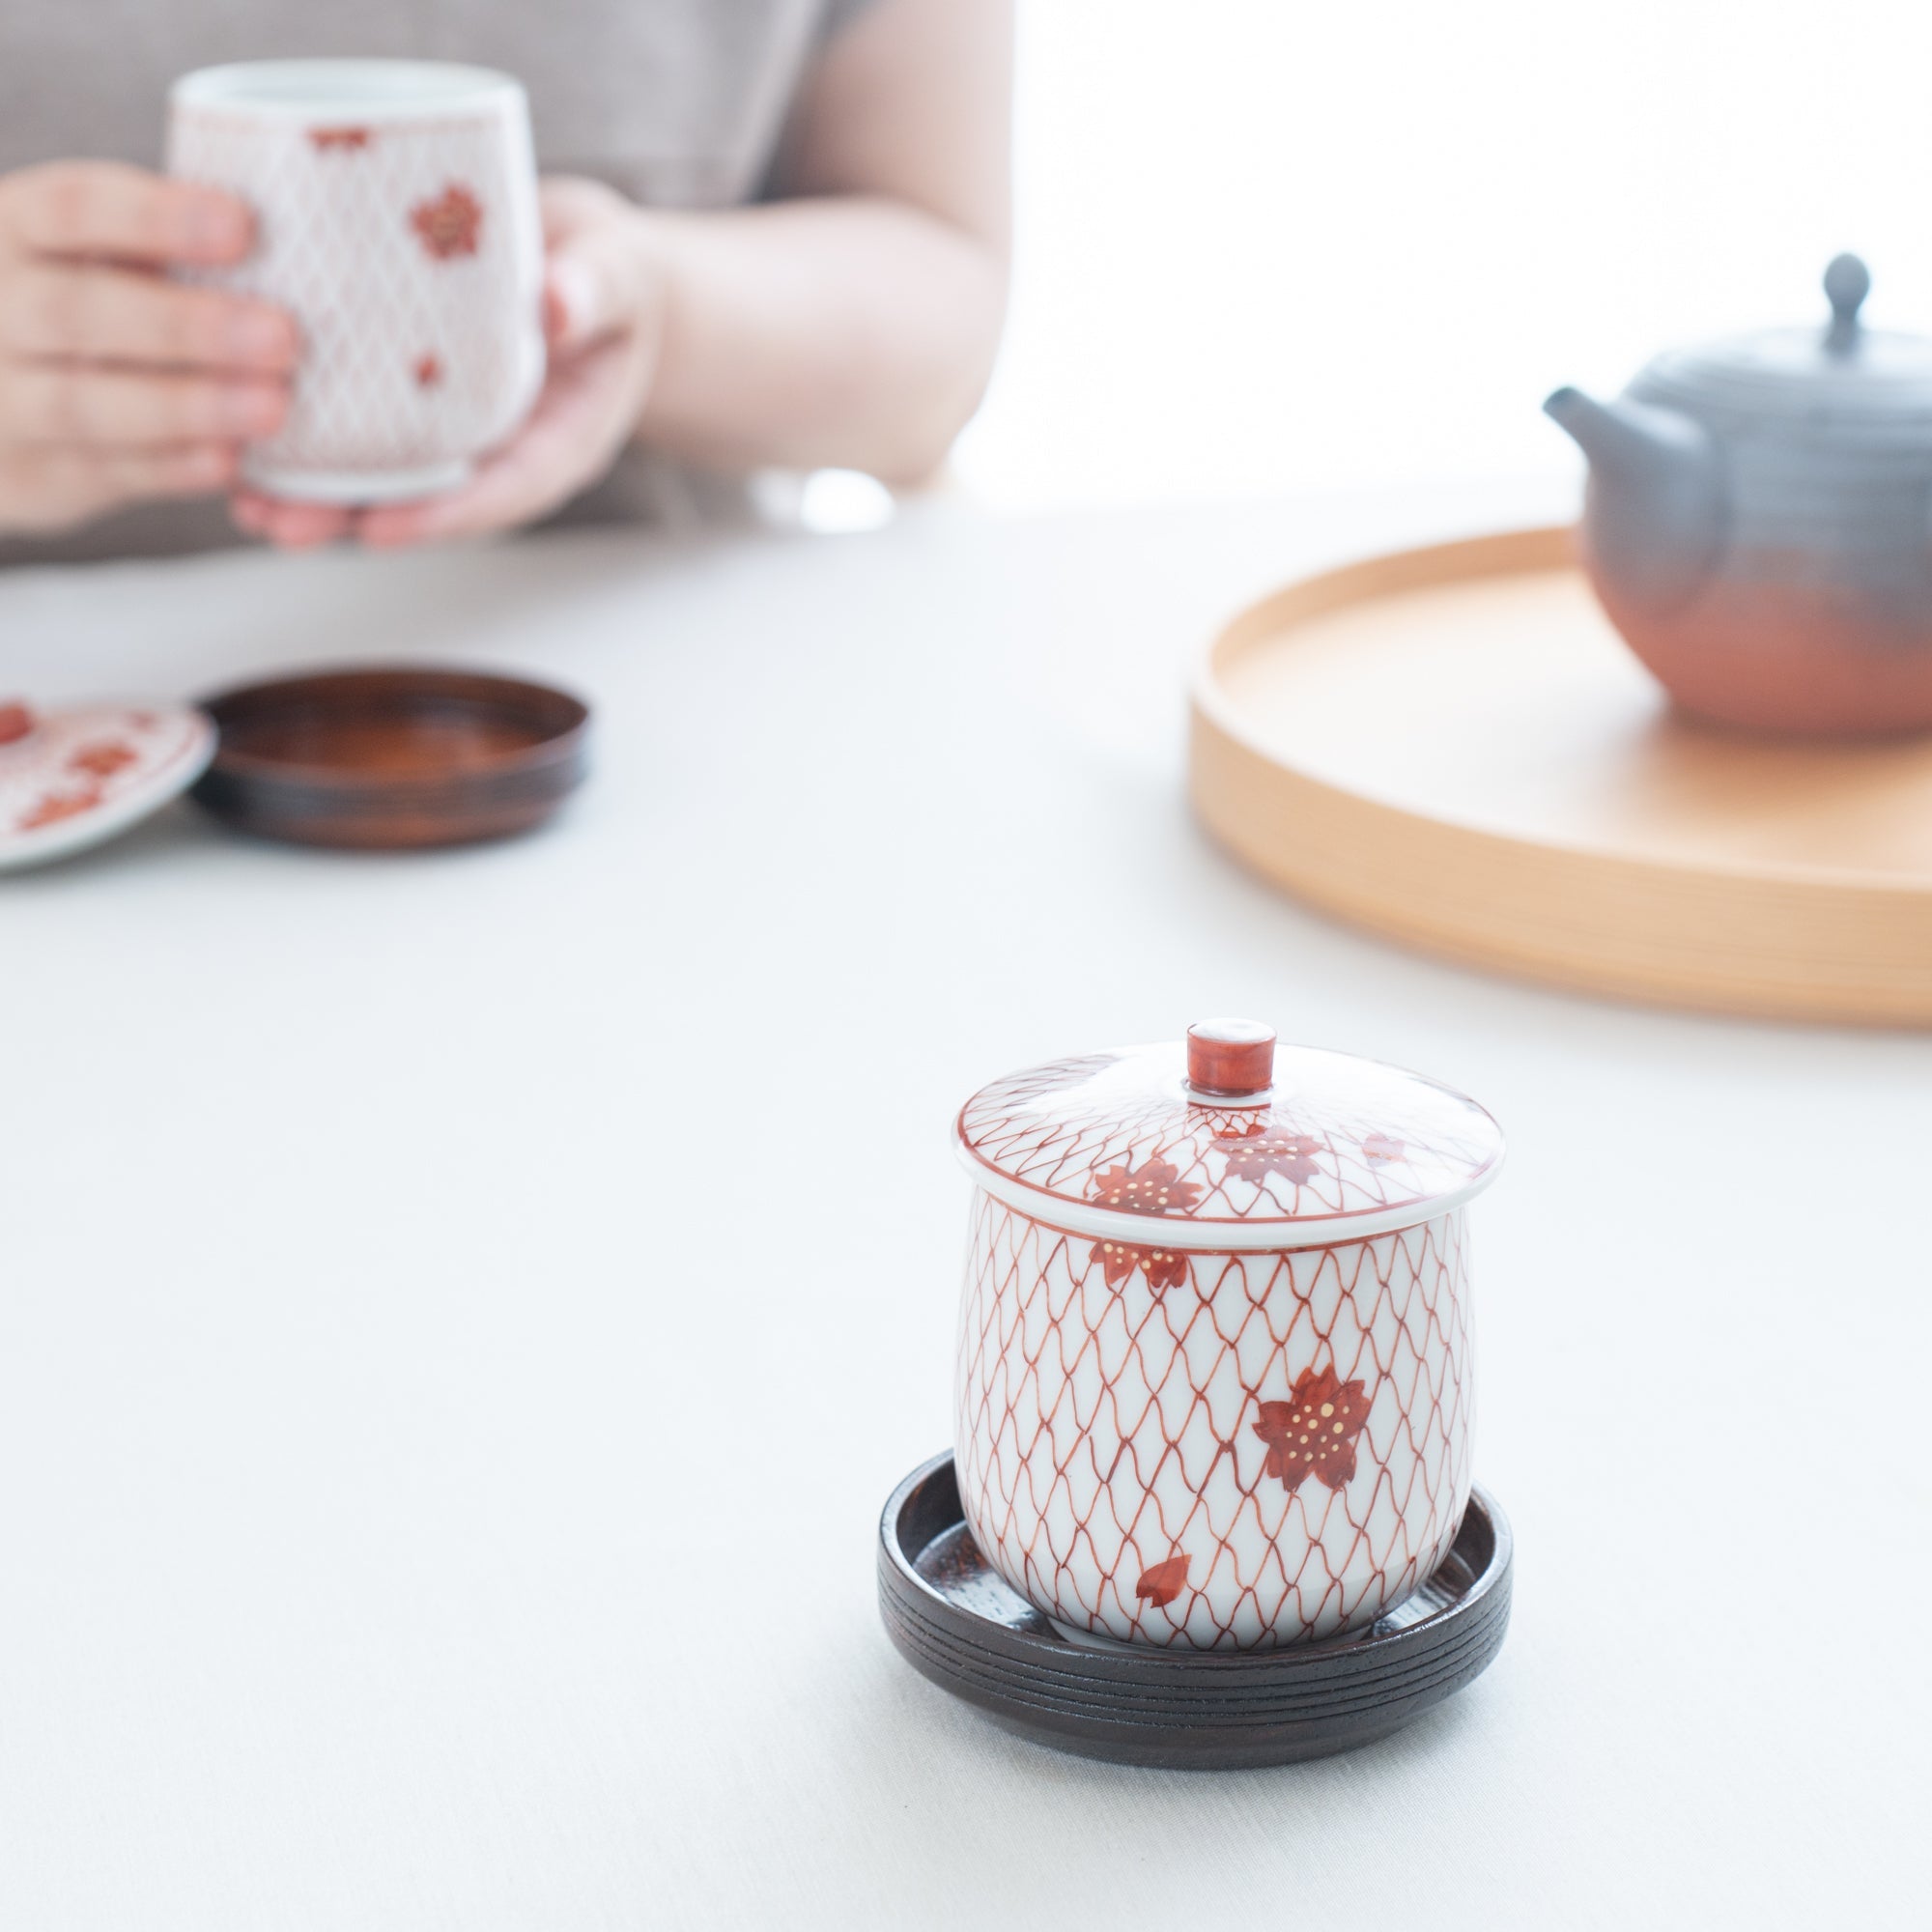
(462, 1314)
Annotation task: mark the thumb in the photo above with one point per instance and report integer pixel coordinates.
(597, 283)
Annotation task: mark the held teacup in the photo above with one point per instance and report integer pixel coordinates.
(396, 211)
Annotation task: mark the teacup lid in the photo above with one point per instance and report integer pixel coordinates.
(77, 778)
(1840, 369)
(1227, 1140)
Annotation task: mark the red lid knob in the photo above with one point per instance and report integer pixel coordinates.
(1230, 1056)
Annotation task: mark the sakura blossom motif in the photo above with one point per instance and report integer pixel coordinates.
(1164, 1268)
(344, 140)
(1161, 1584)
(1313, 1434)
(1155, 1188)
(1378, 1150)
(428, 371)
(449, 225)
(15, 722)
(76, 777)
(53, 806)
(1270, 1149)
(105, 757)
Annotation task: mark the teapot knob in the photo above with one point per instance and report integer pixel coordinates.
(1230, 1058)
(1847, 283)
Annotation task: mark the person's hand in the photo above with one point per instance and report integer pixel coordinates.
(604, 304)
(115, 384)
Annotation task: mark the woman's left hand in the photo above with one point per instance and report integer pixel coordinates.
(604, 311)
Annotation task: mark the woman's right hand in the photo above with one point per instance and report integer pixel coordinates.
(117, 384)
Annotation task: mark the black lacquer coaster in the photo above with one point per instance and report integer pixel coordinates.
(955, 1621)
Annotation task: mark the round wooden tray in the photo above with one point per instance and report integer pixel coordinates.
(1453, 747)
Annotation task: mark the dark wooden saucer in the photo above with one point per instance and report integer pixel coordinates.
(955, 1621)
(389, 757)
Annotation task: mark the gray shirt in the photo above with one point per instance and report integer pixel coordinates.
(679, 103)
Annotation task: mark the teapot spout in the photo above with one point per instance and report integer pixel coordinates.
(1656, 511)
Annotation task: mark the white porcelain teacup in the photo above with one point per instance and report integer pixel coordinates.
(397, 221)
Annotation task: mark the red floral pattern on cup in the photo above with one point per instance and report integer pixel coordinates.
(16, 721)
(1270, 1149)
(1155, 1188)
(1164, 1581)
(423, 237)
(1163, 1268)
(1313, 1432)
(1378, 1150)
(1158, 1396)
(448, 225)
(428, 371)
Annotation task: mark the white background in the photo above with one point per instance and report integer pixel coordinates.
(460, 1316)
(1270, 246)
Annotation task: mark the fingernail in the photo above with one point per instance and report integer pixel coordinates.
(263, 336)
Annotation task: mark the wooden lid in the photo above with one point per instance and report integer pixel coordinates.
(393, 756)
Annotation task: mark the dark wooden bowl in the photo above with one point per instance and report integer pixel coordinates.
(392, 757)
(955, 1621)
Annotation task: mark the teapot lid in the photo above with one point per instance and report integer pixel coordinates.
(1227, 1140)
(1843, 368)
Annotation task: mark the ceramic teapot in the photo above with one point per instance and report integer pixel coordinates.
(1758, 521)
(1214, 1374)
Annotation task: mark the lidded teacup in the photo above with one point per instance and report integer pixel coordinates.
(1215, 1375)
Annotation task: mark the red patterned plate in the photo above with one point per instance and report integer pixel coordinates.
(71, 779)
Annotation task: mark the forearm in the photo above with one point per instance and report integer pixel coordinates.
(846, 332)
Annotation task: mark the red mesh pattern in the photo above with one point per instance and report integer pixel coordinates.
(1106, 1433)
(1377, 1137)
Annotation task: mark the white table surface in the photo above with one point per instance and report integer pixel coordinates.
(461, 1314)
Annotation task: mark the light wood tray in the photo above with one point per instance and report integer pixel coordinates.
(1451, 746)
